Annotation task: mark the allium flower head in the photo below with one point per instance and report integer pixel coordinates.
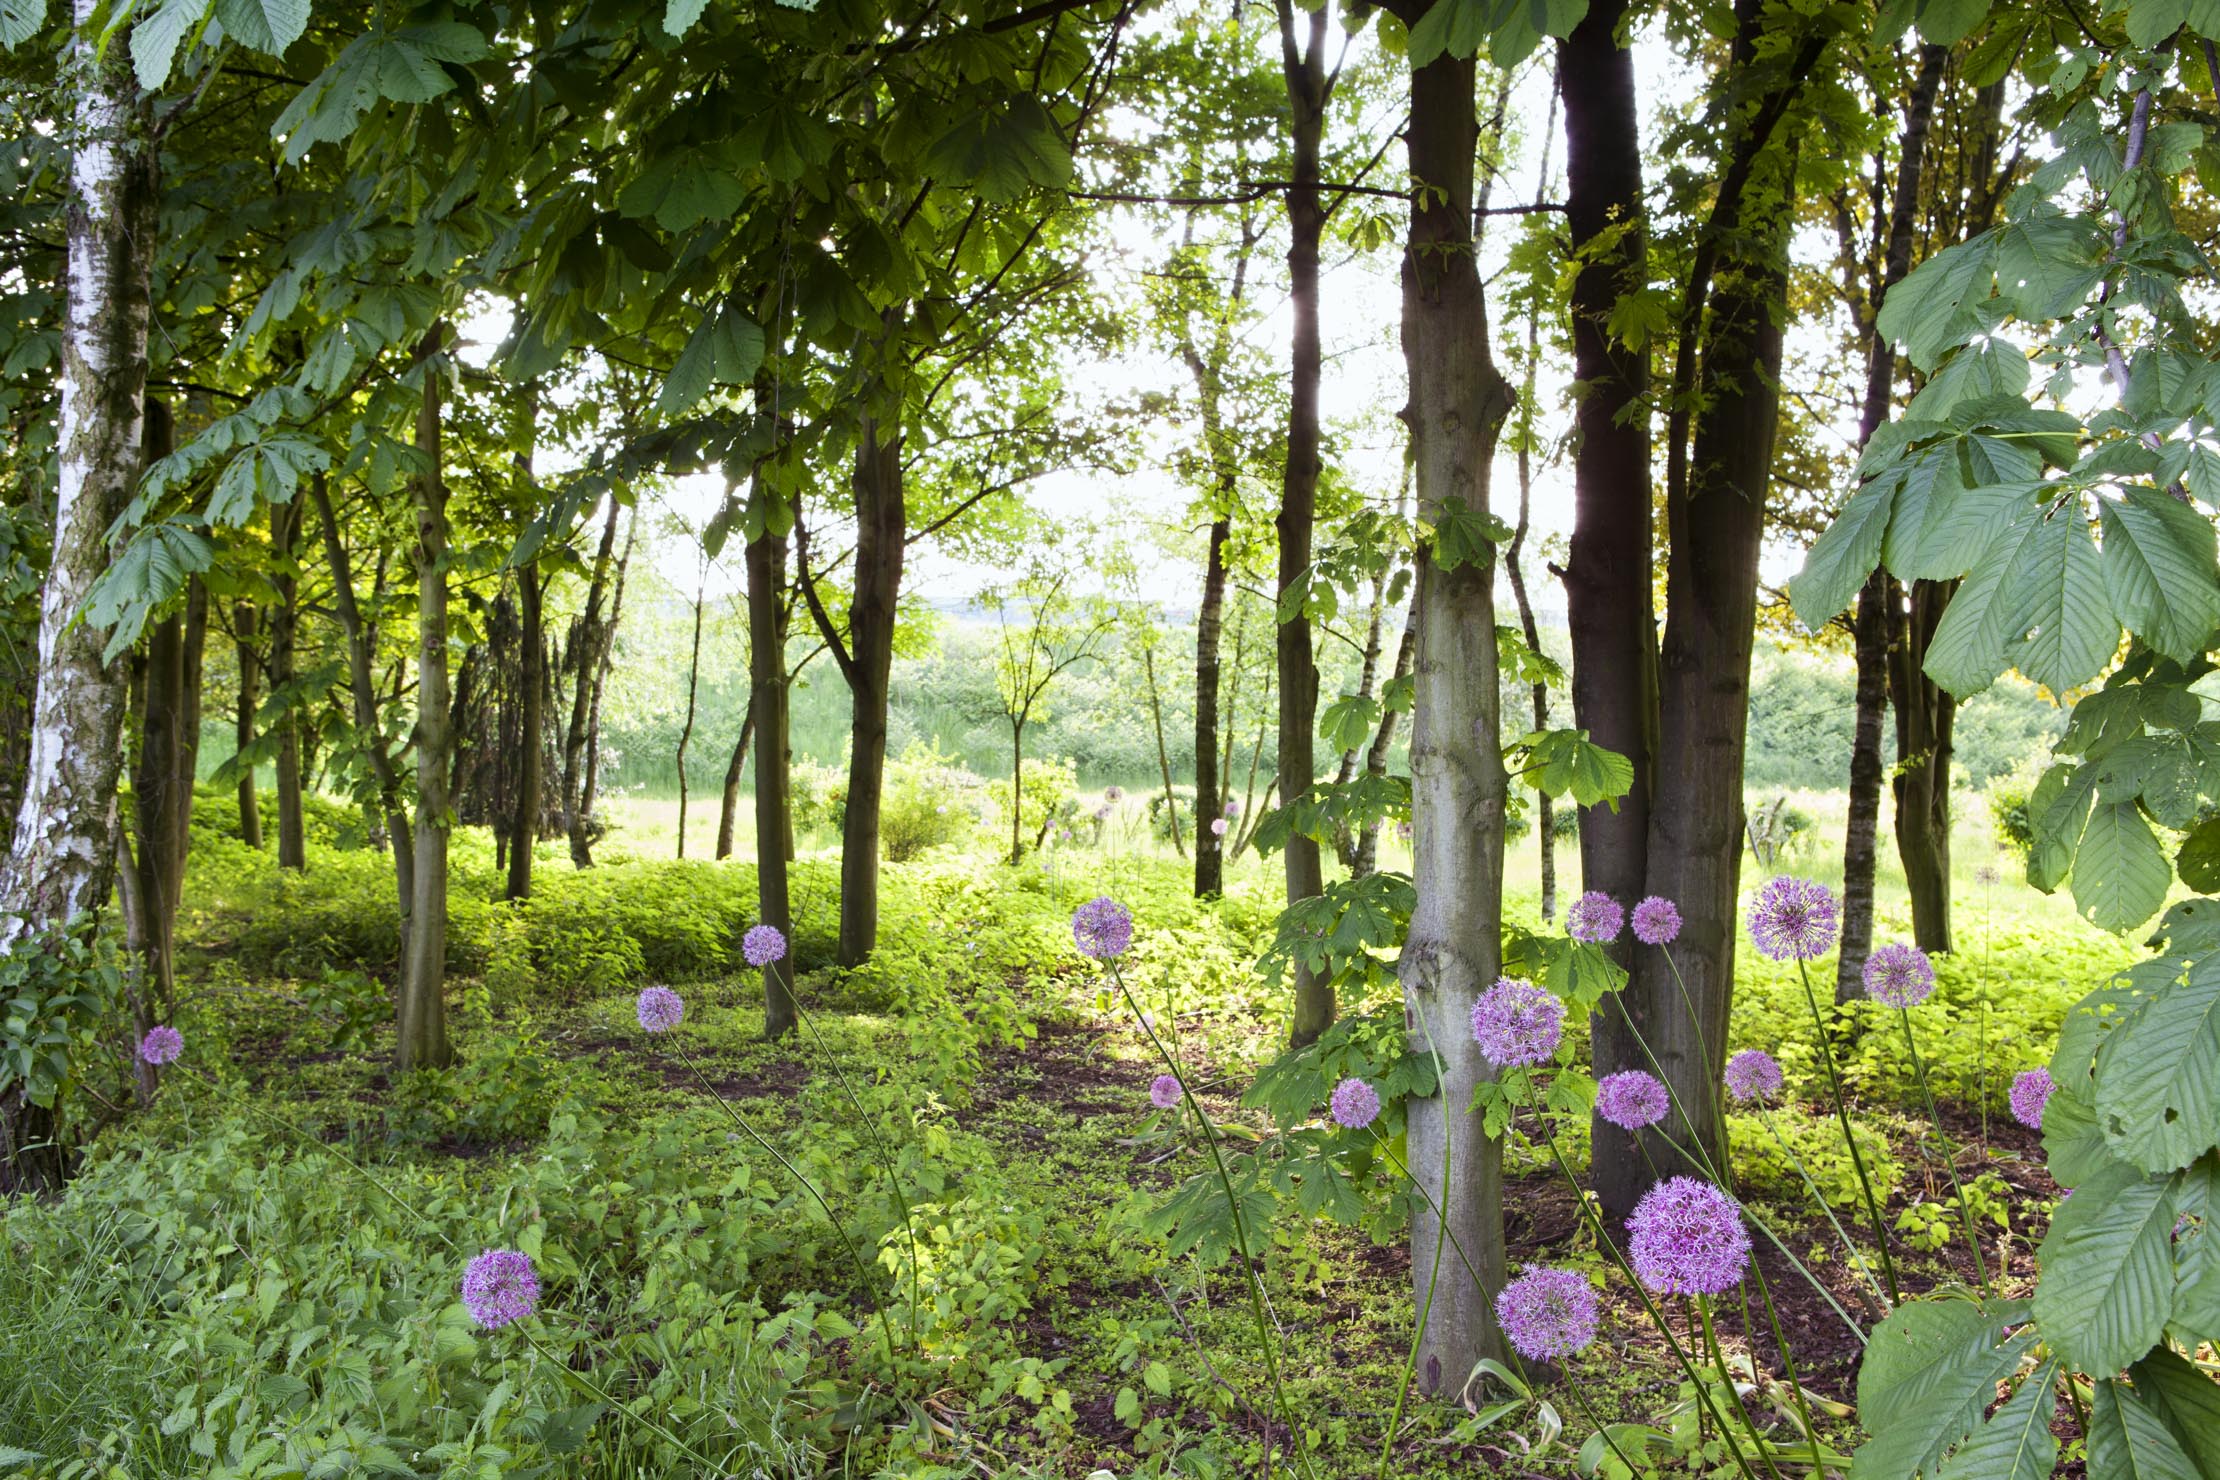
(1355, 1104)
(1113, 794)
(1233, 806)
(1164, 1091)
(499, 1288)
(161, 1045)
(1547, 1313)
(1595, 917)
(1102, 927)
(1656, 921)
(1687, 1238)
(1632, 1099)
(1899, 975)
(2031, 1091)
(762, 945)
(1102, 813)
(1753, 1074)
(1516, 1022)
(1218, 827)
(1793, 919)
(660, 1009)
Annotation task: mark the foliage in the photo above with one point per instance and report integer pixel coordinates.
(61, 992)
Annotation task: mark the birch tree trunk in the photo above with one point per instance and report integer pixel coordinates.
(421, 1037)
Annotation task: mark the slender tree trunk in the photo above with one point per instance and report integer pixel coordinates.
(524, 824)
(421, 1040)
(1924, 717)
(686, 731)
(244, 624)
(1017, 790)
(1383, 740)
(285, 528)
(1453, 951)
(735, 769)
(1347, 844)
(605, 647)
(1870, 625)
(882, 532)
(766, 561)
(195, 656)
(1545, 816)
(1210, 864)
(584, 656)
(1163, 752)
(157, 768)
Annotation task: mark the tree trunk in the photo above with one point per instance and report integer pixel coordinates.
(1545, 815)
(1017, 791)
(195, 658)
(244, 625)
(1347, 844)
(524, 824)
(881, 534)
(1870, 625)
(421, 1040)
(285, 528)
(584, 656)
(1453, 952)
(158, 768)
(766, 561)
(735, 769)
(1383, 740)
(1924, 717)
(605, 647)
(1210, 865)
(1163, 752)
(686, 731)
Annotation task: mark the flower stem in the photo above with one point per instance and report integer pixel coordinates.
(1734, 1393)
(1950, 1159)
(1842, 1114)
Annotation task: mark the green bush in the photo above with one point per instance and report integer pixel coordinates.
(929, 802)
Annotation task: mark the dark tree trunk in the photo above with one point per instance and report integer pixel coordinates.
(1163, 752)
(1869, 630)
(421, 1037)
(584, 657)
(244, 625)
(1545, 813)
(285, 528)
(766, 561)
(1383, 740)
(1924, 717)
(195, 657)
(1456, 409)
(882, 532)
(1210, 866)
(735, 770)
(686, 731)
(157, 772)
(1017, 792)
(524, 824)
(605, 646)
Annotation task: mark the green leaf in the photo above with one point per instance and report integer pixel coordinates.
(1929, 1372)
(1348, 722)
(1976, 633)
(1001, 151)
(2196, 1315)
(1844, 554)
(2057, 598)
(679, 15)
(2152, 21)
(155, 37)
(725, 348)
(1983, 370)
(2158, 1074)
(269, 26)
(1461, 535)
(2128, 1441)
(2016, 1443)
(2163, 571)
(2120, 872)
(1567, 761)
(1930, 310)
(20, 21)
(682, 193)
(2186, 1401)
(2108, 1269)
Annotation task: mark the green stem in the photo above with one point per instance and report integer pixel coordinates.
(1857, 1255)
(1857, 1157)
(1950, 1159)
(1734, 1392)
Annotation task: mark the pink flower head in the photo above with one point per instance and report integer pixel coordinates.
(1686, 1238)
(1218, 827)
(1547, 1313)
(1656, 921)
(1793, 919)
(1632, 1099)
(660, 1009)
(1595, 917)
(499, 1288)
(1355, 1104)
(1753, 1074)
(1517, 1023)
(762, 945)
(1102, 927)
(161, 1045)
(1899, 975)
(1164, 1091)
(2031, 1091)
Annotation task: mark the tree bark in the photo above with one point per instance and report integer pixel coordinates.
(195, 659)
(766, 562)
(735, 769)
(157, 769)
(1163, 752)
(1924, 716)
(421, 1039)
(244, 625)
(285, 528)
(1383, 740)
(686, 731)
(524, 823)
(585, 657)
(1210, 866)
(1453, 952)
(1545, 814)
(1869, 629)
(605, 647)
(882, 533)
(1017, 791)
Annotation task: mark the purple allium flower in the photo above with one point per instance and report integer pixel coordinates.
(1113, 794)
(1233, 806)
(660, 1009)
(1595, 917)
(161, 1045)
(1164, 1091)
(1986, 876)
(1753, 1074)
(1631, 1099)
(1547, 1313)
(1793, 919)
(1403, 830)
(1103, 928)
(499, 1288)
(1687, 1238)
(1899, 975)
(2031, 1091)
(1656, 921)
(762, 945)
(1218, 828)
(1516, 1022)
(1355, 1104)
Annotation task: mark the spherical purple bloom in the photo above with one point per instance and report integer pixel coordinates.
(1899, 975)
(1656, 921)
(161, 1045)
(1102, 927)
(1164, 1091)
(1516, 1023)
(1595, 917)
(1113, 793)
(1632, 1099)
(1218, 827)
(1547, 1313)
(1793, 919)
(499, 1288)
(1753, 1074)
(1687, 1238)
(660, 1009)
(2031, 1091)
(762, 945)
(1233, 806)
(1355, 1104)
